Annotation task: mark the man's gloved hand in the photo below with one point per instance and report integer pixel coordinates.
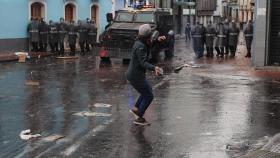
(161, 38)
(159, 71)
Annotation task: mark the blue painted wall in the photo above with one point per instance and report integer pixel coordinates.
(14, 15)
(119, 4)
(14, 18)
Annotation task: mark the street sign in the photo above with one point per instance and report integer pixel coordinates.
(184, 3)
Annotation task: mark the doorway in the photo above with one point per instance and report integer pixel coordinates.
(37, 10)
(94, 14)
(70, 12)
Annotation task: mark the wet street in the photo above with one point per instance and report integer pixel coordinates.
(220, 108)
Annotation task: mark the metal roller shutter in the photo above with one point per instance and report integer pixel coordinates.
(274, 35)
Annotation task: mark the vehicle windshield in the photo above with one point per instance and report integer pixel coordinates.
(145, 17)
(124, 17)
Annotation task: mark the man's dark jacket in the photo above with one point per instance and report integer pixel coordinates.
(139, 62)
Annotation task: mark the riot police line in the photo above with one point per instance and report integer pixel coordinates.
(53, 35)
(223, 37)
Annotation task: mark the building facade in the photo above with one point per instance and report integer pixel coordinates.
(230, 9)
(266, 47)
(15, 16)
(246, 10)
(205, 10)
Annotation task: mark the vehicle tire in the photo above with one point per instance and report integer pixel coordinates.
(126, 61)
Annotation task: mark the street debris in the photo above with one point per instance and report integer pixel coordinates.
(168, 134)
(272, 114)
(273, 145)
(31, 83)
(207, 134)
(52, 138)
(179, 117)
(92, 114)
(275, 81)
(101, 105)
(244, 146)
(22, 56)
(68, 57)
(179, 68)
(247, 148)
(26, 135)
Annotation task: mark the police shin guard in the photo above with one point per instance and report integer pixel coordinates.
(218, 51)
(222, 51)
(211, 51)
(248, 55)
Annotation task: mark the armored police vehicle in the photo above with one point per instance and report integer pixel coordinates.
(118, 38)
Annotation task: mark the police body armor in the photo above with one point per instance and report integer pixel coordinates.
(53, 34)
(248, 33)
(61, 31)
(92, 34)
(72, 34)
(222, 35)
(43, 30)
(197, 35)
(82, 30)
(233, 35)
(209, 36)
(33, 29)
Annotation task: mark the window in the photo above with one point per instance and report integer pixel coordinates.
(125, 17)
(145, 17)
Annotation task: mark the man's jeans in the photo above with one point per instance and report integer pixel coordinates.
(146, 95)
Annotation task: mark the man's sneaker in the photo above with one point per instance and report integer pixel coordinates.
(141, 121)
(134, 113)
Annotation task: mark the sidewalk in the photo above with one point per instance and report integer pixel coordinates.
(10, 56)
(238, 75)
(239, 65)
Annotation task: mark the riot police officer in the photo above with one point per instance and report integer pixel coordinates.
(61, 26)
(197, 34)
(226, 26)
(53, 37)
(82, 31)
(92, 33)
(43, 30)
(33, 29)
(233, 38)
(209, 39)
(222, 39)
(248, 33)
(188, 32)
(88, 23)
(72, 38)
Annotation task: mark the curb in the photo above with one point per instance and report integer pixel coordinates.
(12, 57)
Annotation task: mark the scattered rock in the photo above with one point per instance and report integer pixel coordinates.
(92, 114)
(101, 105)
(273, 145)
(26, 135)
(179, 117)
(31, 83)
(52, 138)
